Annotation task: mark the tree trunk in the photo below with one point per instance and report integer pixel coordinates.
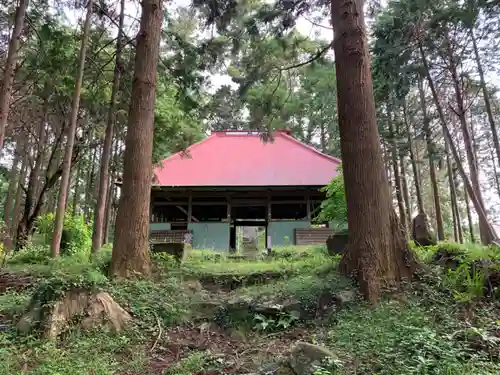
(395, 169)
(416, 174)
(469, 217)
(495, 174)
(34, 181)
(486, 96)
(90, 183)
(76, 189)
(469, 150)
(9, 68)
(102, 197)
(455, 193)
(432, 166)
(131, 253)
(490, 234)
(377, 253)
(13, 182)
(457, 230)
(404, 182)
(19, 193)
(322, 137)
(111, 193)
(68, 155)
(406, 193)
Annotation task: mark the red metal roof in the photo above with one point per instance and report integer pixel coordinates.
(236, 158)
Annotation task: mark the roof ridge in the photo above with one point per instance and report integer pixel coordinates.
(310, 148)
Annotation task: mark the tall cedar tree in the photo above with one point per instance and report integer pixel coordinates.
(377, 252)
(100, 211)
(68, 153)
(130, 252)
(9, 68)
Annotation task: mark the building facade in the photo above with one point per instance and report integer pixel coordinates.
(236, 178)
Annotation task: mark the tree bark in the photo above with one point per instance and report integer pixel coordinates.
(486, 96)
(489, 235)
(90, 183)
(76, 190)
(457, 230)
(68, 155)
(495, 174)
(19, 192)
(9, 68)
(406, 193)
(102, 197)
(131, 253)
(460, 111)
(377, 253)
(469, 217)
(13, 182)
(432, 166)
(416, 174)
(395, 169)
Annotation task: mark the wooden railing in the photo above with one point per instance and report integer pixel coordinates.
(312, 236)
(170, 236)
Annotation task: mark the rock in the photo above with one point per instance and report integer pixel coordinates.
(446, 258)
(421, 232)
(94, 309)
(336, 243)
(29, 320)
(345, 297)
(492, 284)
(206, 309)
(193, 285)
(305, 357)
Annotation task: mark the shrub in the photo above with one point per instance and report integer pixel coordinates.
(34, 254)
(334, 207)
(76, 236)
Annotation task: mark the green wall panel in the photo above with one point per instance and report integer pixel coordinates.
(159, 226)
(283, 232)
(214, 236)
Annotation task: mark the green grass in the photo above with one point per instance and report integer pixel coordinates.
(302, 260)
(422, 331)
(406, 337)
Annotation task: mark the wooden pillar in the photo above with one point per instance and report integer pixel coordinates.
(151, 205)
(228, 202)
(269, 218)
(269, 213)
(308, 203)
(190, 207)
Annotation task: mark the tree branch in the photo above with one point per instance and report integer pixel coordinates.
(315, 57)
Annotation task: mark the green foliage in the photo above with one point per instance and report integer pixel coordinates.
(407, 338)
(471, 263)
(334, 207)
(34, 254)
(465, 282)
(79, 354)
(196, 362)
(283, 321)
(286, 267)
(76, 237)
(148, 301)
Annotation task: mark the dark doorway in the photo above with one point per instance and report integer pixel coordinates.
(232, 238)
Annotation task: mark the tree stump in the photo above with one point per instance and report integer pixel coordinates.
(421, 232)
(88, 309)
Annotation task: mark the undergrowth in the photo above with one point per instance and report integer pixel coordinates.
(442, 324)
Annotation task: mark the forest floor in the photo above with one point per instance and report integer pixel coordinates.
(215, 315)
